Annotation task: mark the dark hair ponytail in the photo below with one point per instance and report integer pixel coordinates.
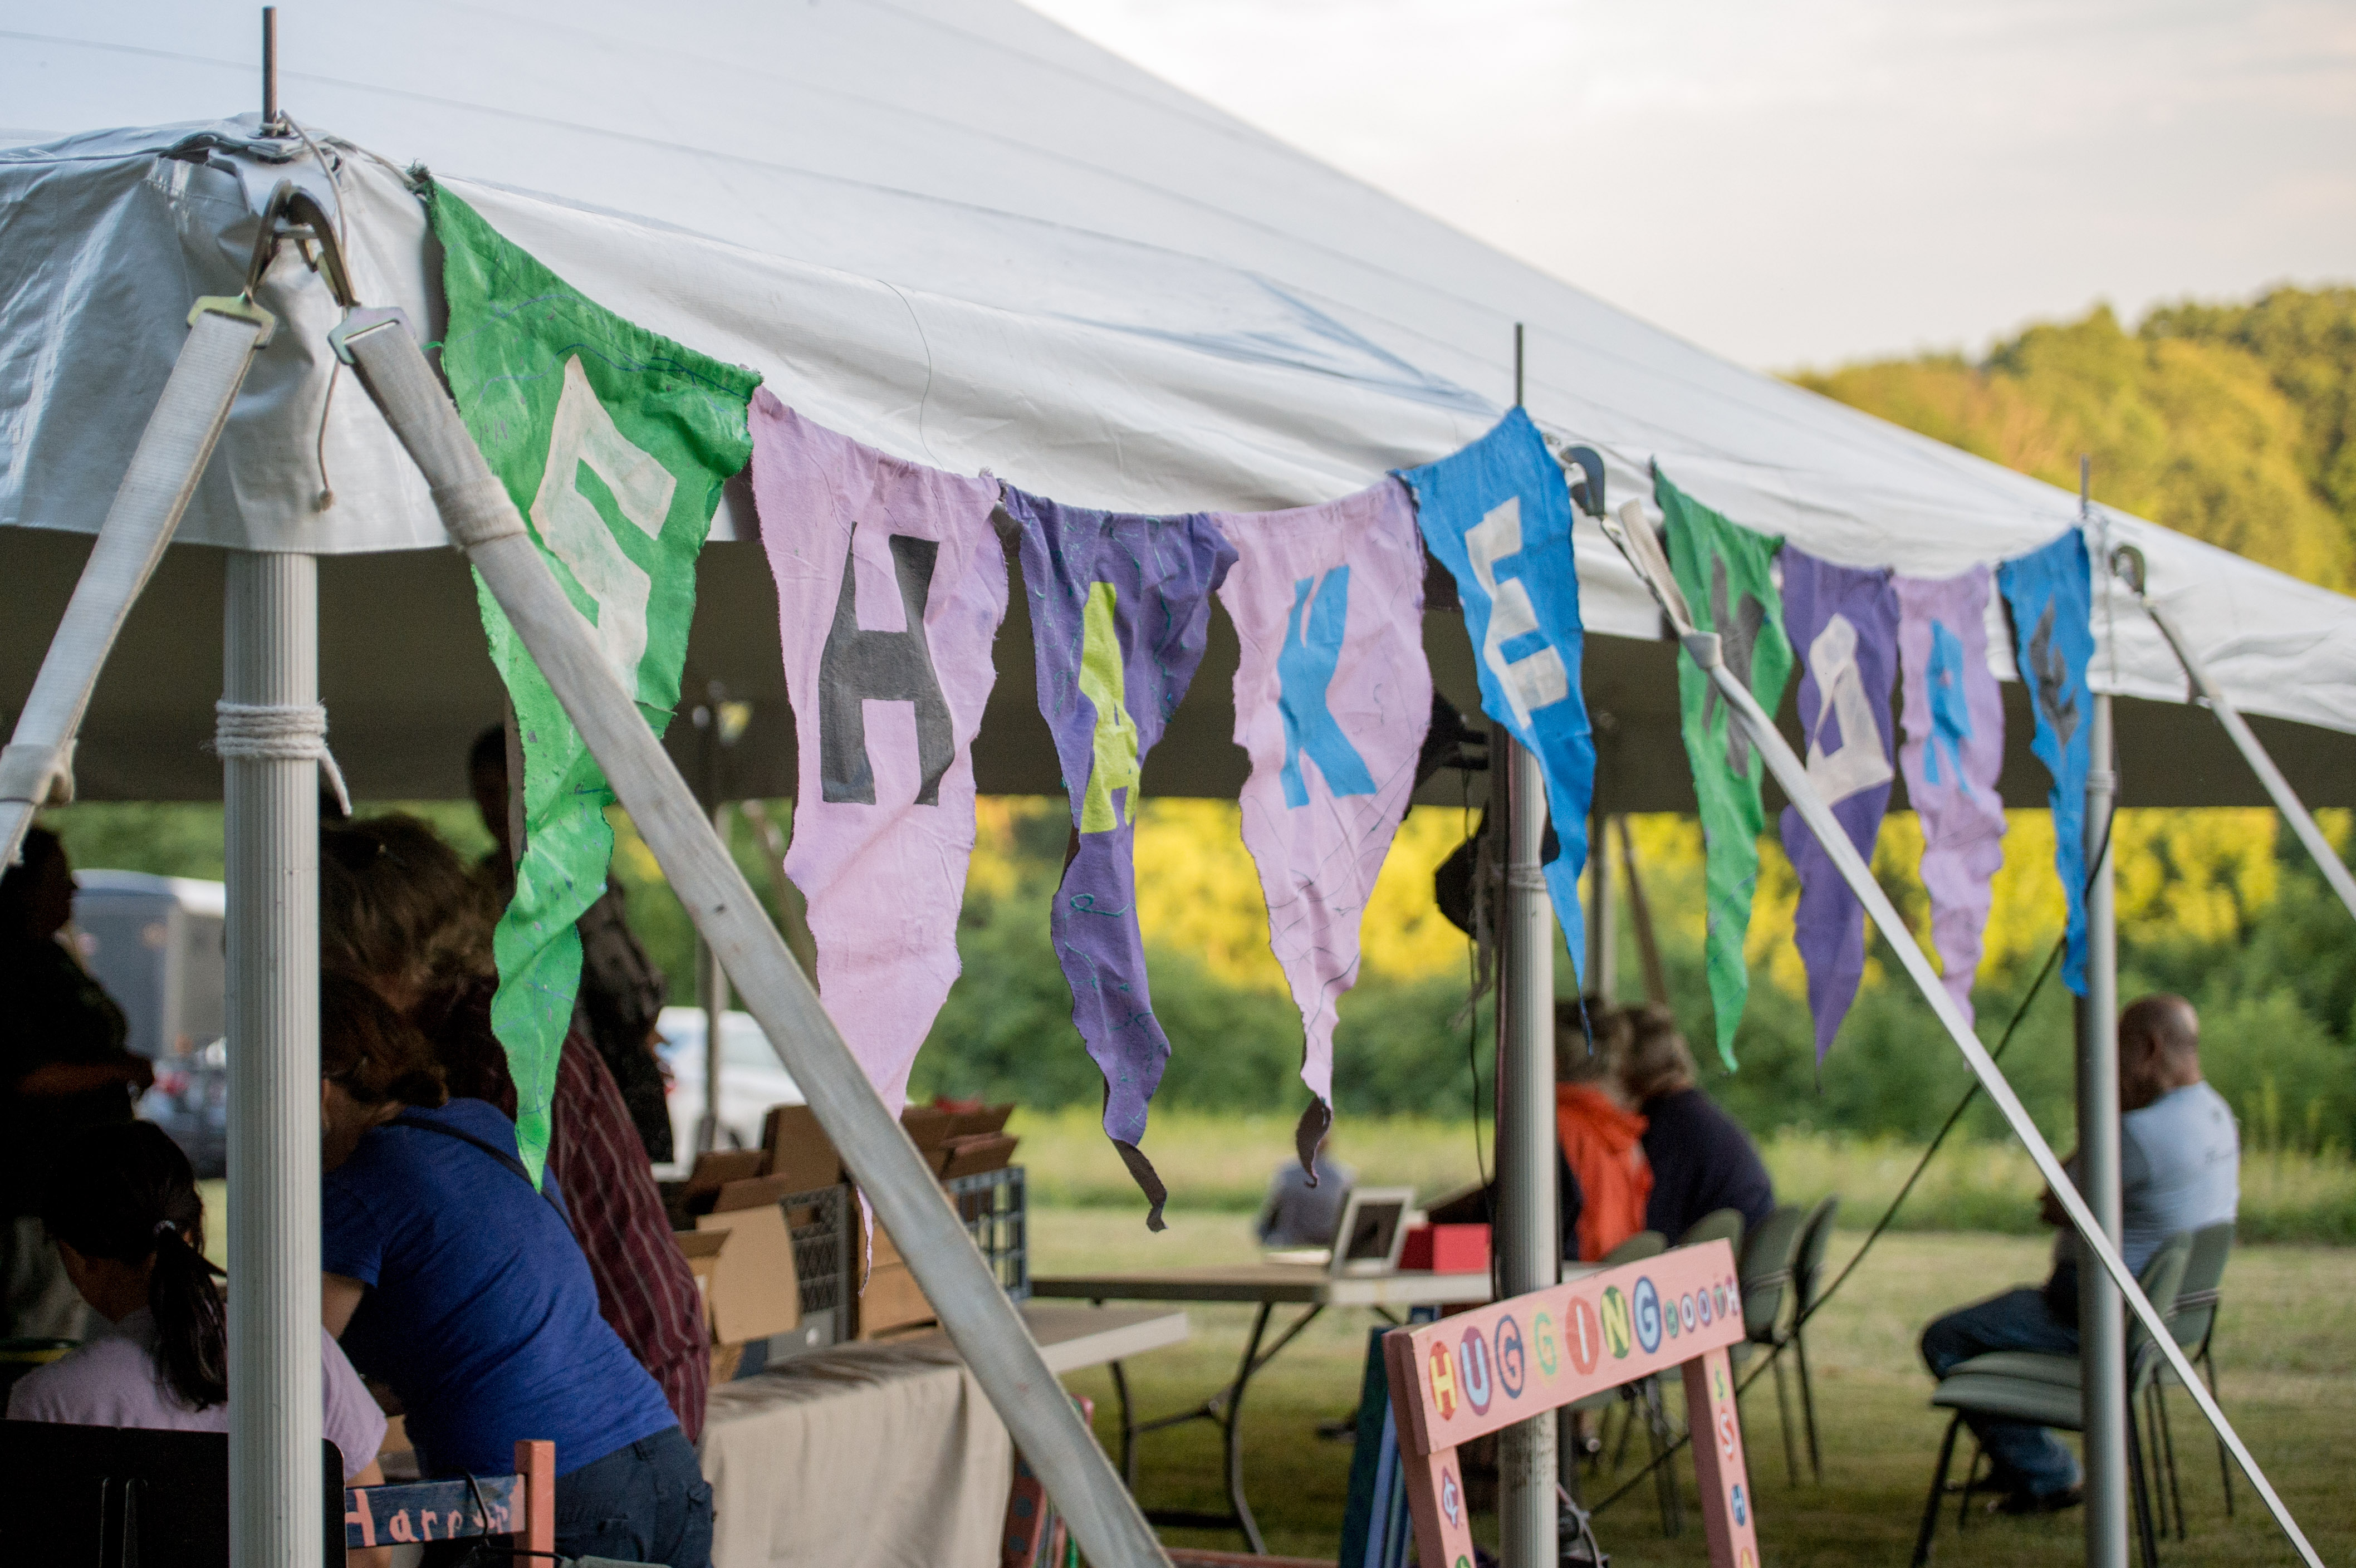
(125, 1192)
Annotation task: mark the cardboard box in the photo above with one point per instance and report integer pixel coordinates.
(984, 1118)
(701, 1250)
(1446, 1249)
(753, 1193)
(892, 1300)
(798, 1150)
(753, 1292)
(972, 1155)
(715, 1170)
(927, 1126)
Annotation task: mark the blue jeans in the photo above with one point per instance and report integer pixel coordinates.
(644, 1503)
(2028, 1458)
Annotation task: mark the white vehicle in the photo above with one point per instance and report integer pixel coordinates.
(751, 1080)
(154, 945)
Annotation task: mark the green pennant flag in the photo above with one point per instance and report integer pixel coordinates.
(1725, 573)
(613, 443)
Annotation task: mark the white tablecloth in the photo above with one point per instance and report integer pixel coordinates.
(874, 1455)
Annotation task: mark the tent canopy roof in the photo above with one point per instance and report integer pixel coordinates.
(956, 231)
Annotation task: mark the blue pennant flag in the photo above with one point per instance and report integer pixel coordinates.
(2052, 596)
(1497, 515)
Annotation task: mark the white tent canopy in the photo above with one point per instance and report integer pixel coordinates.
(962, 234)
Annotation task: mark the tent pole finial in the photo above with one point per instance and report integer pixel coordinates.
(269, 67)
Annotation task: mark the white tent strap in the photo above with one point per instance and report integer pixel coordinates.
(37, 774)
(292, 731)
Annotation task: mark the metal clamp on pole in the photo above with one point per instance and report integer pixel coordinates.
(1792, 773)
(2127, 565)
(982, 1323)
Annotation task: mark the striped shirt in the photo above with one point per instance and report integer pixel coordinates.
(644, 1287)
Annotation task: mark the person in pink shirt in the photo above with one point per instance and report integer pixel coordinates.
(122, 1206)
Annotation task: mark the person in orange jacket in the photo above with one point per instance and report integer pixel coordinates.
(1601, 1132)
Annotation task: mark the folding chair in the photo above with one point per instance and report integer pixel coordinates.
(2023, 1385)
(1808, 1273)
(2194, 1324)
(1765, 1271)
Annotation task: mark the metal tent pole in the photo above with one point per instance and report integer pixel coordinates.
(1642, 553)
(1602, 952)
(1530, 1249)
(981, 1322)
(271, 821)
(710, 979)
(2101, 1324)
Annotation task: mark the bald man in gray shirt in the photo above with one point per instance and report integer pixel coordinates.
(2180, 1170)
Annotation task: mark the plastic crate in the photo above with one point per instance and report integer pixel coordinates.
(825, 1255)
(991, 1204)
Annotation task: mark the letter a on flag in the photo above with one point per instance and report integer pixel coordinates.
(2052, 596)
(1954, 720)
(613, 443)
(1844, 621)
(1120, 604)
(891, 588)
(1497, 515)
(1725, 573)
(1332, 696)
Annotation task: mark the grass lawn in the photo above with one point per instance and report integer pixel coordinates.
(2284, 1354)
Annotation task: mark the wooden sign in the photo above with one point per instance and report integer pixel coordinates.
(1495, 1366)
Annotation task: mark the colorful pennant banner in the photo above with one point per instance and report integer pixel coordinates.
(1332, 698)
(613, 443)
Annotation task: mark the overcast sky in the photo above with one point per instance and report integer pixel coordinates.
(1801, 182)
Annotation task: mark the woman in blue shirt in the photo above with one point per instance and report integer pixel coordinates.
(449, 1278)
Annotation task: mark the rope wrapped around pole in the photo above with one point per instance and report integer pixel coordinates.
(265, 732)
(987, 1329)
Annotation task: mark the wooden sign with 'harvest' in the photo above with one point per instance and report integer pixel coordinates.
(1473, 1373)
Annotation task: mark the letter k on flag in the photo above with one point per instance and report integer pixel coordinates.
(1332, 700)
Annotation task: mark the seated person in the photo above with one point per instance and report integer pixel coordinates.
(1702, 1159)
(400, 909)
(63, 1066)
(2180, 1170)
(450, 1278)
(123, 1206)
(1295, 1214)
(1598, 1129)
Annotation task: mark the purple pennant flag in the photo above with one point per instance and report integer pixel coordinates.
(1843, 623)
(1119, 607)
(1954, 718)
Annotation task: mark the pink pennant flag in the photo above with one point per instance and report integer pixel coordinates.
(1332, 697)
(1954, 720)
(891, 586)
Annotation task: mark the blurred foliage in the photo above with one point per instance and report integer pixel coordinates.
(2214, 904)
(2235, 424)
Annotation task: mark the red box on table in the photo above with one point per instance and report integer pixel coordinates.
(1447, 1249)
